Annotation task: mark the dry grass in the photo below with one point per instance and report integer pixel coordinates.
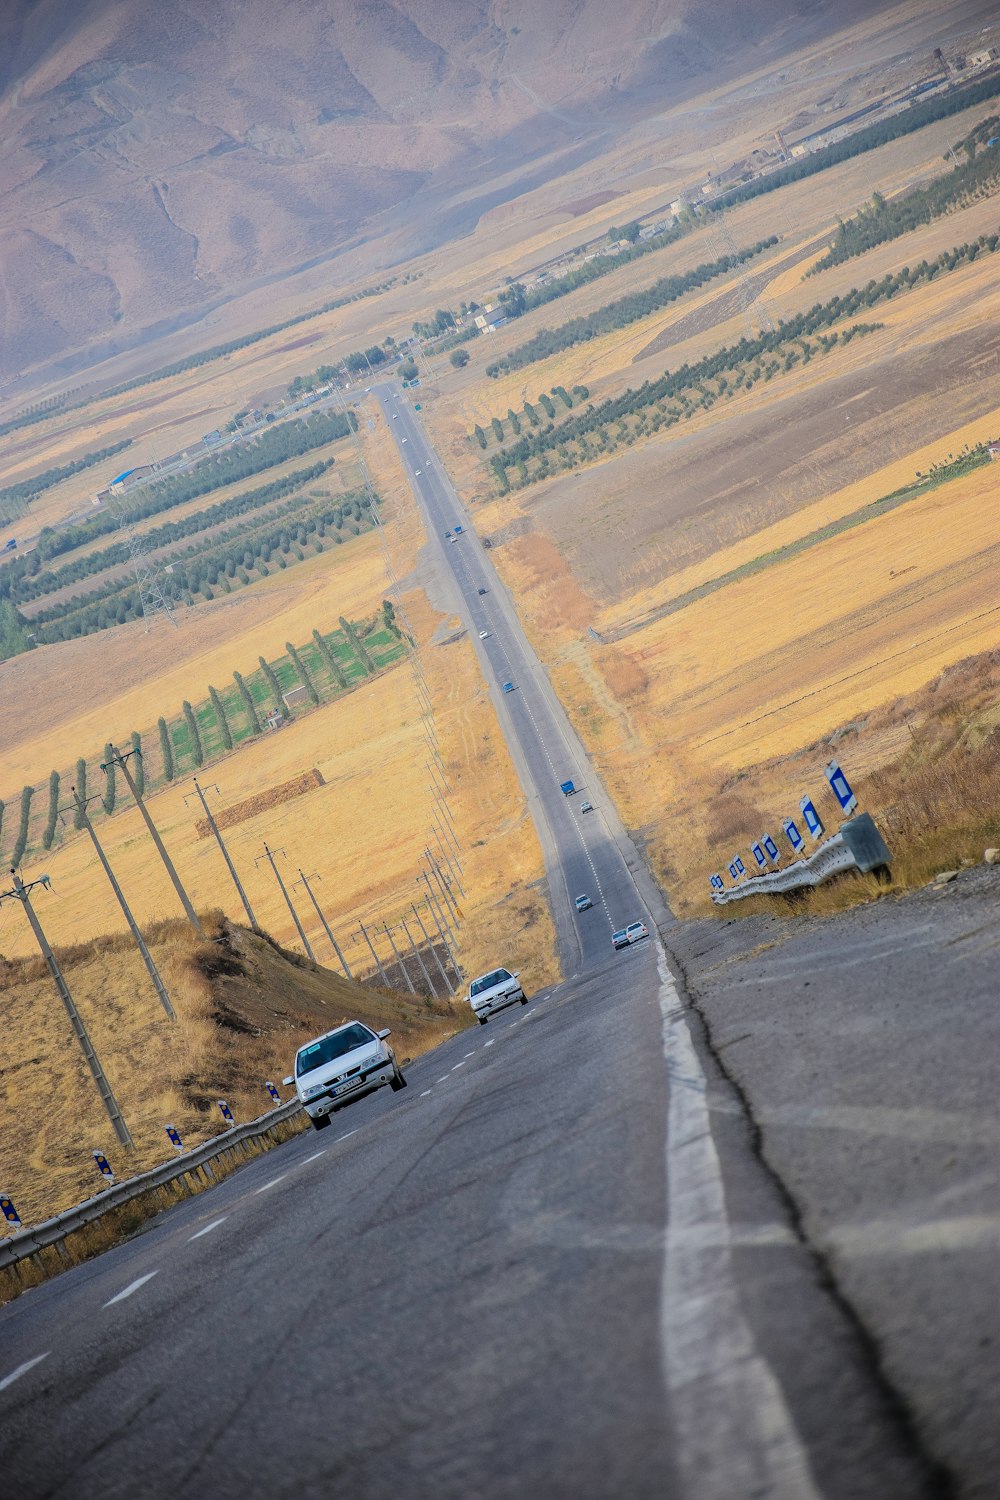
(243, 1006)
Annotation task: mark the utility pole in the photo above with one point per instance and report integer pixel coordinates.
(80, 804)
(443, 851)
(378, 961)
(269, 856)
(436, 954)
(430, 770)
(21, 892)
(443, 932)
(213, 825)
(402, 966)
(445, 810)
(419, 957)
(445, 837)
(336, 946)
(445, 888)
(441, 913)
(117, 759)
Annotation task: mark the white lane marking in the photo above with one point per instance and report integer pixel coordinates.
(491, 1042)
(207, 1229)
(29, 1364)
(273, 1183)
(458, 1065)
(315, 1154)
(426, 1093)
(134, 1287)
(444, 1079)
(346, 1137)
(734, 1434)
(469, 1054)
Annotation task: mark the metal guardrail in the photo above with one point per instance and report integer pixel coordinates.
(858, 846)
(52, 1231)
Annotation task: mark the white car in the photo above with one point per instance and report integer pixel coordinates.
(492, 991)
(583, 903)
(395, 416)
(636, 931)
(341, 1066)
(406, 440)
(417, 473)
(484, 635)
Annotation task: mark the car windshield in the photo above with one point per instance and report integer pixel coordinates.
(333, 1046)
(488, 981)
(621, 933)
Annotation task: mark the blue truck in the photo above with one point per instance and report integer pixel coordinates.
(567, 788)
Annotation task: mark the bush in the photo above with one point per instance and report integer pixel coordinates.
(50, 824)
(459, 358)
(166, 750)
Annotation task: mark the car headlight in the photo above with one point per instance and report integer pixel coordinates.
(317, 1088)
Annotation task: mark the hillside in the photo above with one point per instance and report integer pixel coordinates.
(243, 1007)
(157, 158)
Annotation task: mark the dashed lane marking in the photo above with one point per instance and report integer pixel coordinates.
(207, 1229)
(273, 1183)
(458, 1065)
(346, 1137)
(491, 1042)
(469, 1054)
(29, 1364)
(426, 1093)
(314, 1155)
(444, 1079)
(133, 1287)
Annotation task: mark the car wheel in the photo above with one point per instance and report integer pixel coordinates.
(524, 999)
(482, 1020)
(397, 1082)
(320, 1122)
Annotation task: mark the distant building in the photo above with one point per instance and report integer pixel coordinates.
(274, 720)
(982, 58)
(296, 697)
(211, 438)
(994, 450)
(490, 319)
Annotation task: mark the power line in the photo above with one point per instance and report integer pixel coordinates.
(83, 821)
(269, 856)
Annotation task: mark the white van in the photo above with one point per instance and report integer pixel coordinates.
(341, 1066)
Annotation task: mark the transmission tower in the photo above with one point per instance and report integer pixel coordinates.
(148, 573)
(756, 305)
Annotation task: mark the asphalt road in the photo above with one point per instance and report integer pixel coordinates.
(555, 1266)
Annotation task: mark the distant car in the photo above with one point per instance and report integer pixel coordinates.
(482, 591)
(417, 473)
(484, 635)
(368, 390)
(406, 440)
(583, 903)
(508, 687)
(447, 536)
(395, 416)
(492, 991)
(458, 531)
(586, 807)
(619, 939)
(636, 931)
(9, 546)
(487, 542)
(341, 1066)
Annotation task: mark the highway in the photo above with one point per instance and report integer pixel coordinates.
(555, 1266)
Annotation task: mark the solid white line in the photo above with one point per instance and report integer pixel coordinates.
(29, 1364)
(273, 1183)
(133, 1288)
(314, 1155)
(425, 1093)
(207, 1229)
(734, 1434)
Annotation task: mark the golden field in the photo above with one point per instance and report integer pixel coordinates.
(363, 831)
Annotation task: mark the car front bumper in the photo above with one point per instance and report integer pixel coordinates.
(496, 1002)
(355, 1088)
